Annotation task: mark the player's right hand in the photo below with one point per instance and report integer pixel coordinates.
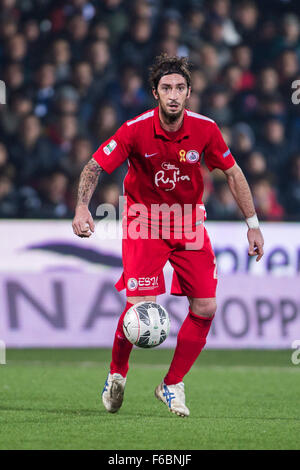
(83, 224)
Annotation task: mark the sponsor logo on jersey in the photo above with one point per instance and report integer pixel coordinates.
(169, 176)
(225, 154)
(132, 283)
(147, 155)
(110, 147)
(192, 156)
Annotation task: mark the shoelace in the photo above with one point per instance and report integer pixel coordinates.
(105, 386)
(169, 395)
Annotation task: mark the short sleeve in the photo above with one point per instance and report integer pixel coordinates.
(114, 151)
(217, 153)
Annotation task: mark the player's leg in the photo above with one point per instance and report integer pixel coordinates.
(113, 392)
(195, 277)
(191, 338)
(122, 347)
(143, 280)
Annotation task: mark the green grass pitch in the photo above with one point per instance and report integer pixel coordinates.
(50, 399)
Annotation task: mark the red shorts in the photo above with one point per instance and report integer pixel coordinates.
(143, 260)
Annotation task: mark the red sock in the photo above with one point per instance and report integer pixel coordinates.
(121, 348)
(191, 340)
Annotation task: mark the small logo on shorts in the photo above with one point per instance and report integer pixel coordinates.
(132, 283)
(192, 156)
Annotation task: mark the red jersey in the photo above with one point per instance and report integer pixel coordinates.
(164, 167)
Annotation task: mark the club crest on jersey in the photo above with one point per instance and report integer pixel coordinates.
(110, 147)
(192, 156)
(132, 283)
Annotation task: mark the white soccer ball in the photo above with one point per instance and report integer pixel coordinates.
(146, 324)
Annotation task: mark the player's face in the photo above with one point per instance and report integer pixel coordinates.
(172, 93)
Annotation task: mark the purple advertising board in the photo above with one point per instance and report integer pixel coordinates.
(58, 291)
(81, 310)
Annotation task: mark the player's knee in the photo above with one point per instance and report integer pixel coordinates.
(204, 307)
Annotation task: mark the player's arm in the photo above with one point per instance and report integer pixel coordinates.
(83, 223)
(241, 192)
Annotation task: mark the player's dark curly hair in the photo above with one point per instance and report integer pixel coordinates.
(165, 65)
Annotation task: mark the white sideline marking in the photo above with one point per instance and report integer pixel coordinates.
(157, 366)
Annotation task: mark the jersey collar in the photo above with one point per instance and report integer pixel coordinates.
(184, 130)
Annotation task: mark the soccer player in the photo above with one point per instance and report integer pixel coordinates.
(164, 147)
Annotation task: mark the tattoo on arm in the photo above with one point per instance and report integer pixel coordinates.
(88, 181)
(241, 192)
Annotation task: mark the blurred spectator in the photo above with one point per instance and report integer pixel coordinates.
(289, 35)
(129, 95)
(53, 197)
(104, 124)
(243, 140)
(16, 49)
(242, 56)
(255, 165)
(9, 8)
(193, 27)
(14, 77)
(6, 168)
(78, 156)
(167, 45)
(113, 13)
(287, 67)
(100, 31)
(61, 56)
(265, 200)
(292, 189)
(221, 10)
(194, 102)
(31, 153)
(215, 36)
(66, 100)
(136, 46)
(232, 77)
(63, 132)
(9, 204)
(88, 90)
(43, 92)
(101, 62)
(246, 16)
(77, 28)
(110, 194)
(8, 27)
(20, 106)
(218, 107)
(268, 81)
(221, 204)
(208, 60)
(274, 146)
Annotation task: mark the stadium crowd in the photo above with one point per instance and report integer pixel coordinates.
(75, 70)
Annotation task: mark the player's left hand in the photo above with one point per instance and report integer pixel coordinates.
(256, 243)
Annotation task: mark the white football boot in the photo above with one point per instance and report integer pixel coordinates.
(113, 392)
(174, 397)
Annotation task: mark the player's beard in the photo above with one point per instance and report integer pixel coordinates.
(170, 118)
